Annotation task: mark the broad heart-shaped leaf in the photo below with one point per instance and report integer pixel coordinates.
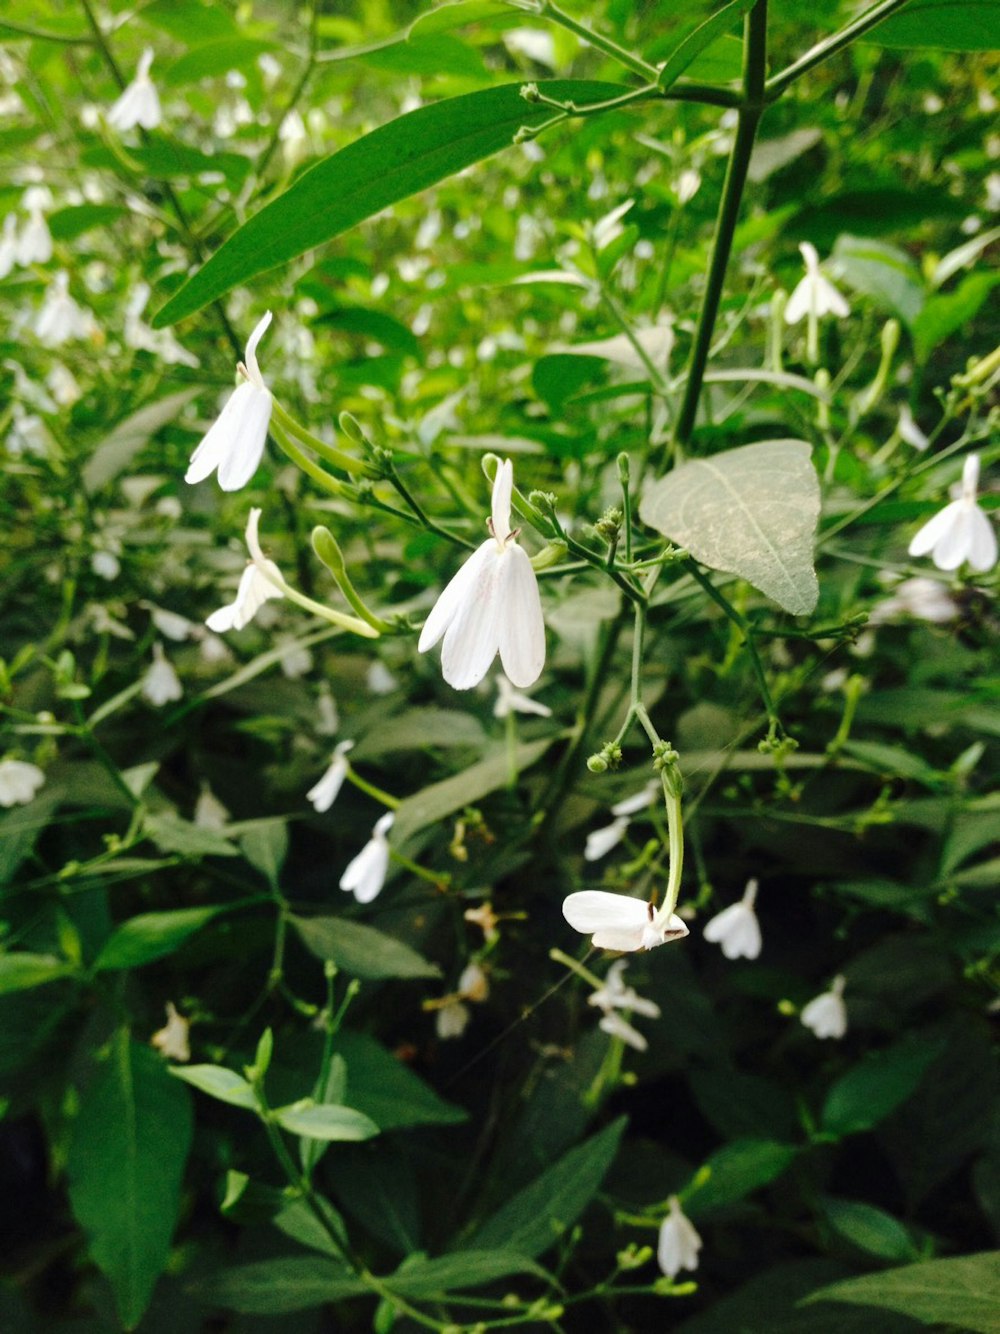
(953, 25)
(396, 160)
(962, 1293)
(537, 1216)
(126, 1161)
(361, 950)
(750, 511)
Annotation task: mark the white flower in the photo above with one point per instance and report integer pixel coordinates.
(379, 680)
(19, 781)
(235, 443)
(638, 801)
(679, 1242)
(34, 245)
(924, 599)
(161, 684)
(510, 701)
(8, 245)
(908, 429)
(619, 922)
(139, 104)
(213, 650)
(63, 384)
(171, 624)
(815, 295)
(736, 928)
(491, 606)
(328, 722)
(172, 1040)
(961, 531)
(324, 793)
(60, 318)
(296, 661)
(452, 1013)
(601, 841)
(365, 875)
(105, 564)
(615, 995)
(209, 812)
(160, 342)
(617, 1026)
(826, 1014)
(451, 1019)
(687, 185)
(255, 587)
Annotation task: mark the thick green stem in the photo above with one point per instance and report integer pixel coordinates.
(755, 63)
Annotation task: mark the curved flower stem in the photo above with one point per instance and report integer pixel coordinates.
(379, 794)
(347, 462)
(751, 108)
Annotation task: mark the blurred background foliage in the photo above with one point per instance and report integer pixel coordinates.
(533, 1138)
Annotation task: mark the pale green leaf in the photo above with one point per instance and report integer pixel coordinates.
(118, 449)
(963, 1293)
(325, 1121)
(218, 1082)
(458, 1271)
(277, 1287)
(751, 512)
(21, 971)
(360, 950)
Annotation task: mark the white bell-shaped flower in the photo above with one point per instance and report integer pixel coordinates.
(255, 587)
(60, 318)
(510, 701)
(209, 812)
(961, 531)
(814, 295)
(617, 1026)
(921, 598)
(139, 103)
(161, 684)
(171, 1041)
(8, 245)
(909, 431)
(826, 1014)
(736, 928)
(451, 1018)
(235, 443)
(679, 1242)
(491, 606)
(619, 922)
(19, 781)
(34, 245)
(323, 794)
(601, 841)
(616, 995)
(638, 801)
(365, 875)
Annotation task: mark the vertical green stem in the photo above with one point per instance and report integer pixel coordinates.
(754, 73)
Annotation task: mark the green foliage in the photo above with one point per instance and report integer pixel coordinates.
(963, 1292)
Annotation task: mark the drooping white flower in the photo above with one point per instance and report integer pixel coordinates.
(255, 588)
(490, 606)
(452, 1014)
(961, 531)
(296, 661)
(365, 875)
(161, 684)
(736, 928)
(909, 431)
(60, 318)
(616, 995)
(814, 295)
(235, 442)
(601, 841)
(510, 701)
(324, 793)
(8, 245)
(139, 103)
(34, 245)
(923, 599)
(451, 1018)
(826, 1014)
(687, 185)
(105, 564)
(171, 624)
(617, 1026)
(379, 680)
(19, 781)
(679, 1242)
(171, 1041)
(209, 812)
(638, 801)
(160, 342)
(620, 922)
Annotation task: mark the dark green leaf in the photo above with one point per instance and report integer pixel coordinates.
(397, 160)
(458, 1271)
(942, 316)
(717, 25)
(950, 25)
(151, 936)
(386, 1090)
(216, 58)
(277, 1287)
(19, 972)
(963, 1292)
(172, 834)
(877, 1086)
(360, 950)
(870, 1229)
(884, 273)
(737, 1169)
(126, 1161)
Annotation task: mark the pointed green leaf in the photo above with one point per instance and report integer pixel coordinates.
(361, 950)
(152, 935)
(717, 25)
(877, 1085)
(325, 1121)
(20, 971)
(458, 1271)
(396, 160)
(869, 1228)
(277, 1287)
(218, 1082)
(126, 1161)
(962, 1293)
(750, 511)
(952, 25)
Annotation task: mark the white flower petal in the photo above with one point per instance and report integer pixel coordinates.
(503, 489)
(678, 1243)
(472, 639)
(955, 543)
(797, 306)
(601, 841)
(243, 458)
(453, 596)
(927, 538)
(522, 629)
(365, 875)
(982, 555)
(251, 350)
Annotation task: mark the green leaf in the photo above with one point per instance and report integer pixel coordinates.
(963, 1293)
(117, 451)
(393, 334)
(458, 1271)
(218, 1082)
(189, 21)
(126, 1162)
(884, 273)
(870, 1229)
(150, 936)
(717, 25)
(949, 25)
(277, 1287)
(386, 1090)
(737, 1169)
(19, 972)
(538, 1215)
(66, 224)
(360, 950)
(325, 1121)
(750, 511)
(172, 834)
(216, 58)
(264, 843)
(944, 315)
(876, 1086)
(462, 789)
(397, 160)
(417, 729)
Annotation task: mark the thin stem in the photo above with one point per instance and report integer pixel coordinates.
(347, 462)
(41, 35)
(745, 629)
(777, 84)
(729, 211)
(300, 87)
(379, 794)
(596, 39)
